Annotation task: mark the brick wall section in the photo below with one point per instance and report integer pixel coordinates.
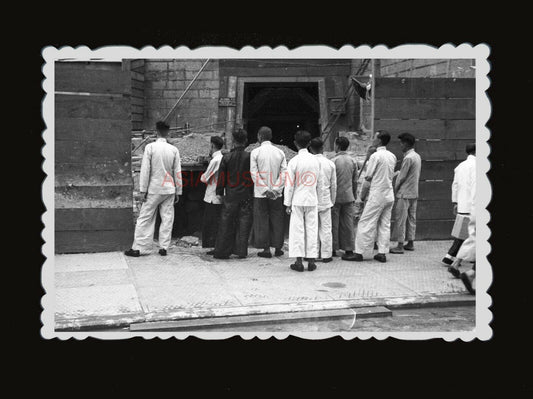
(165, 81)
(137, 93)
(427, 68)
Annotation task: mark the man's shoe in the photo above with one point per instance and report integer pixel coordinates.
(265, 254)
(409, 247)
(212, 252)
(163, 252)
(397, 250)
(447, 261)
(326, 260)
(133, 252)
(297, 267)
(311, 267)
(454, 272)
(467, 283)
(220, 256)
(279, 252)
(380, 258)
(354, 257)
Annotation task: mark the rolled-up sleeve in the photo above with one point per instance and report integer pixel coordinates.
(146, 165)
(334, 185)
(222, 176)
(176, 169)
(280, 182)
(289, 184)
(454, 187)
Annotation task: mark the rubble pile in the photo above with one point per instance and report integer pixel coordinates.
(193, 147)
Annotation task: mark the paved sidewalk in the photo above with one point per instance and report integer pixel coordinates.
(109, 289)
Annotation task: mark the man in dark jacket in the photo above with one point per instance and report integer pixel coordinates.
(237, 187)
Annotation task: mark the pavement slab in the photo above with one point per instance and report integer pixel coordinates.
(189, 284)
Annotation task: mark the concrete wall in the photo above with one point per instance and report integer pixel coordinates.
(165, 80)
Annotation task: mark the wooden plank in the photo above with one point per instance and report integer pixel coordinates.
(72, 197)
(137, 85)
(86, 151)
(430, 128)
(94, 219)
(137, 101)
(430, 150)
(92, 129)
(434, 229)
(86, 78)
(438, 170)
(407, 108)
(96, 107)
(434, 190)
(111, 172)
(436, 209)
(92, 241)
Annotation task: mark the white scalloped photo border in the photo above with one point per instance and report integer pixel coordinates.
(480, 53)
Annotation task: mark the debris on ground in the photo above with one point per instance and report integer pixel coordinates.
(188, 241)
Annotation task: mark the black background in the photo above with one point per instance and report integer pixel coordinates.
(257, 367)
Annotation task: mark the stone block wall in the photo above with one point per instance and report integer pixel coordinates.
(165, 81)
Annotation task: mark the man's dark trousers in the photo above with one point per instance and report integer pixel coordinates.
(269, 223)
(210, 224)
(234, 228)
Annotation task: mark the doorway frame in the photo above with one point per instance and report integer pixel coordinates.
(321, 82)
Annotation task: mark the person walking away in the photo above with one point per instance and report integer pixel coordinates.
(463, 179)
(213, 203)
(406, 195)
(160, 187)
(268, 167)
(328, 193)
(377, 212)
(301, 200)
(236, 187)
(467, 251)
(344, 210)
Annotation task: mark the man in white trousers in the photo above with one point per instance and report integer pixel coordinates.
(160, 187)
(328, 193)
(378, 208)
(467, 250)
(301, 200)
(463, 179)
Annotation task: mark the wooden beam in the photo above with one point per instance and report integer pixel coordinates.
(230, 111)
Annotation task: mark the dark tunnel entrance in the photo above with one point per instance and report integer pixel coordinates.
(284, 107)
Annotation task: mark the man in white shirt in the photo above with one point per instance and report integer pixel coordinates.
(213, 203)
(328, 193)
(160, 187)
(464, 180)
(467, 251)
(301, 200)
(378, 208)
(267, 168)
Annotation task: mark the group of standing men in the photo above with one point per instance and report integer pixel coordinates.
(254, 190)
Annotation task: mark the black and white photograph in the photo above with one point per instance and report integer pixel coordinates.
(265, 192)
